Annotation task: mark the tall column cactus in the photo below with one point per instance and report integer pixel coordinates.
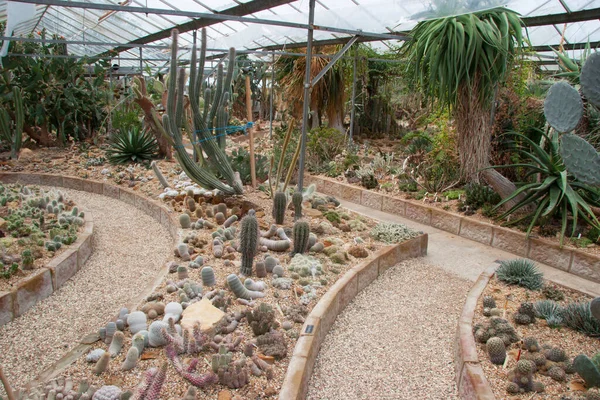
(248, 242)
(13, 133)
(201, 132)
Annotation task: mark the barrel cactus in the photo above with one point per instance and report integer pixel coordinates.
(301, 236)
(496, 350)
(279, 206)
(297, 202)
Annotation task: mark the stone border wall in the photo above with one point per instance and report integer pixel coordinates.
(470, 379)
(323, 315)
(567, 259)
(45, 281)
(161, 214)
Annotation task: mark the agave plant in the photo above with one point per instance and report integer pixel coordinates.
(520, 272)
(133, 145)
(551, 189)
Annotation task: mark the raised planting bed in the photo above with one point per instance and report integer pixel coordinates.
(562, 329)
(268, 326)
(45, 240)
(566, 258)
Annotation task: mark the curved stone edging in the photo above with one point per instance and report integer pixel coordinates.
(160, 213)
(47, 280)
(333, 302)
(470, 379)
(567, 259)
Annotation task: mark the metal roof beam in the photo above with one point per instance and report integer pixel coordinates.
(565, 18)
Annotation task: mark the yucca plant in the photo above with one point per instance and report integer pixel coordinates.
(578, 316)
(551, 189)
(457, 62)
(133, 145)
(520, 272)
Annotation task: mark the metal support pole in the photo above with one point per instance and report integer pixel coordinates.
(141, 63)
(307, 89)
(352, 111)
(333, 60)
(271, 97)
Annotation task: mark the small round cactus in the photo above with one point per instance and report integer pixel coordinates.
(489, 302)
(557, 373)
(208, 276)
(556, 354)
(496, 350)
(185, 221)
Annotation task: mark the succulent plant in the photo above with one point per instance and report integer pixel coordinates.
(531, 344)
(208, 276)
(279, 206)
(185, 221)
(525, 315)
(588, 370)
(520, 272)
(108, 392)
(297, 199)
(229, 221)
(555, 354)
(301, 237)
(273, 344)
(131, 359)
(239, 290)
(155, 336)
(137, 322)
(275, 245)
(161, 178)
(102, 364)
(262, 319)
(495, 326)
(249, 234)
(391, 232)
(278, 270)
(496, 350)
(252, 285)
(563, 107)
(489, 302)
(595, 308)
(153, 382)
(578, 316)
(94, 355)
(116, 344)
(581, 159)
(590, 79)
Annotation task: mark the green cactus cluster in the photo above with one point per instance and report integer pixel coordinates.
(498, 327)
(206, 123)
(262, 319)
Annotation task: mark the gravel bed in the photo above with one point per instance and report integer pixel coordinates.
(395, 340)
(129, 249)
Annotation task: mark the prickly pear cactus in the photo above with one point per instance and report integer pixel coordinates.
(581, 159)
(590, 79)
(563, 107)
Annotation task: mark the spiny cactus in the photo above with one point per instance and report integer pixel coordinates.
(588, 370)
(137, 322)
(496, 350)
(13, 132)
(581, 159)
(590, 79)
(202, 130)
(221, 360)
(139, 342)
(279, 206)
(208, 276)
(261, 270)
(563, 107)
(131, 359)
(301, 236)
(275, 245)
(230, 221)
(161, 178)
(270, 263)
(252, 285)
(116, 344)
(239, 290)
(185, 221)
(248, 242)
(102, 364)
(262, 319)
(153, 382)
(489, 302)
(297, 202)
(190, 203)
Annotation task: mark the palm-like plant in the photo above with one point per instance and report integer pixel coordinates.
(552, 190)
(132, 145)
(457, 62)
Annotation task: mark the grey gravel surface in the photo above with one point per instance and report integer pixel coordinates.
(395, 340)
(129, 249)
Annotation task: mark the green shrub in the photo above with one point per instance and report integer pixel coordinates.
(520, 272)
(131, 146)
(578, 317)
(552, 292)
(6, 271)
(454, 194)
(476, 196)
(324, 144)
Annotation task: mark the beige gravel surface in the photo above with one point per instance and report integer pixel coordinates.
(395, 340)
(129, 249)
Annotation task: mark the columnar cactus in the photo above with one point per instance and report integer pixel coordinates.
(131, 359)
(201, 133)
(116, 344)
(248, 242)
(161, 178)
(208, 276)
(297, 202)
(102, 364)
(279, 205)
(9, 132)
(240, 290)
(301, 237)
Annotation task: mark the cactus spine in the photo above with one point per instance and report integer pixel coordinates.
(297, 202)
(279, 204)
(201, 131)
(301, 236)
(248, 242)
(10, 133)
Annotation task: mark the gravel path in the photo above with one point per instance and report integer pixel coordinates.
(394, 341)
(129, 248)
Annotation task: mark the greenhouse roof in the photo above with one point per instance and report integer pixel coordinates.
(93, 28)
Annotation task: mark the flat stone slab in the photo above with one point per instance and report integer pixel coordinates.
(204, 313)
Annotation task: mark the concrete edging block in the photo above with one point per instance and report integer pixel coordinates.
(371, 199)
(470, 379)
(33, 289)
(323, 315)
(418, 212)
